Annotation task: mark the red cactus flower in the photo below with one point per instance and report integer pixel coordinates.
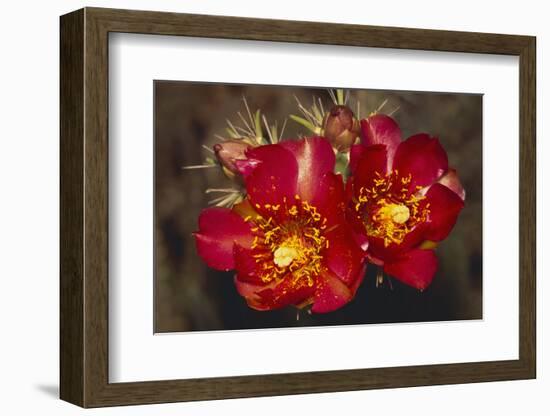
(288, 241)
(403, 198)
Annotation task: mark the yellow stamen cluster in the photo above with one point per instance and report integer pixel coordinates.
(289, 240)
(389, 210)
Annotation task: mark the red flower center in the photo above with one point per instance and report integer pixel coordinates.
(289, 241)
(389, 210)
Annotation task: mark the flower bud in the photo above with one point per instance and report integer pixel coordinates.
(341, 128)
(228, 152)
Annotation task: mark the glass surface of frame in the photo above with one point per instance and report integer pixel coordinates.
(132, 206)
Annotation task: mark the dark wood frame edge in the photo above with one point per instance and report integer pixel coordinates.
(84, 207)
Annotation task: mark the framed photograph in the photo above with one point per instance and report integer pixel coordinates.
(259, 207)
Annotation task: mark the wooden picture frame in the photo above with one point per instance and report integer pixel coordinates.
(84, 207)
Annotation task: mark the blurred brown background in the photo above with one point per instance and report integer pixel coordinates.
(189, 296)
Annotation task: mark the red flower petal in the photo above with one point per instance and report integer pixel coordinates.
(371, 166)
(355, 154)
(273, 178)
(393, 251)
(360, 239)
(423, 158)
(451, 181)
(359, 280)
(315, 157)
(249, 292)
(416, 268)
(284, 293)
(330, 198)
(246, 166)
(219, 230)
(381, 129)
(248, 270)
(445, 205)
(331, 293)
(343, 256)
